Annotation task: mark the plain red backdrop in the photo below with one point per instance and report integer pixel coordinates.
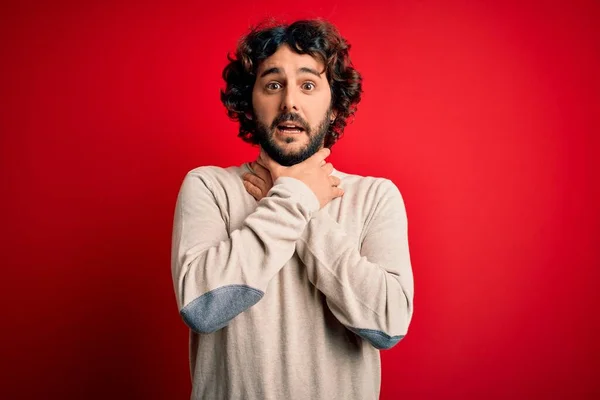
(485, 114)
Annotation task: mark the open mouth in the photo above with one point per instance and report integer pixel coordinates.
(290, 128)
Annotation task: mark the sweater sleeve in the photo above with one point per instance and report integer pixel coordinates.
(369, 290)
(216, 274)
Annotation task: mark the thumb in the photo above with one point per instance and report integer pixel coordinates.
(319, 157)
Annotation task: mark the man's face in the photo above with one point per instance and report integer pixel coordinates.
(292, 106)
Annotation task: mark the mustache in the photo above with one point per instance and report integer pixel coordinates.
(291, 117)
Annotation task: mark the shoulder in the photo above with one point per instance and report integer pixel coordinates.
(214, 174)
(212, 178)
(368, 186)
(378, 197)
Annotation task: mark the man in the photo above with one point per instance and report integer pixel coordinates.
(291, 275)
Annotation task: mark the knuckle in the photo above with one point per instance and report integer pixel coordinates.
(256, 180)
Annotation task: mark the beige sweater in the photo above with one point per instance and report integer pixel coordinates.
(283, 300)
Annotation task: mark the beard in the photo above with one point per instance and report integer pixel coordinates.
(316, 139)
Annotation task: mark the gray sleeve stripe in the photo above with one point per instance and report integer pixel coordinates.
(380, 340)
(213, 310)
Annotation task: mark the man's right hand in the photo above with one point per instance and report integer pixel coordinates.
(314, 172)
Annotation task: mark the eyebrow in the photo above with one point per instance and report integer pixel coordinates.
(276, 70)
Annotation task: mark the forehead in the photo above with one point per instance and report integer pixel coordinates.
(289, 61)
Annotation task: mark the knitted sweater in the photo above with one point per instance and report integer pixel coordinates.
(285, 300)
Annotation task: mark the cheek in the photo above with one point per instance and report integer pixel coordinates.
(317, 111)
(263, 108)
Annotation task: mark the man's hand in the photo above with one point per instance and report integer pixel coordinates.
(314, 172)
(258, 183)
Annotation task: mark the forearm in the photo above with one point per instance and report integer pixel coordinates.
(219, 275)
(369, 290)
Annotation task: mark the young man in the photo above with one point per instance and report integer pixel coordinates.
(291, 275)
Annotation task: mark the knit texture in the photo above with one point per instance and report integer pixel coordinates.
(285, 300)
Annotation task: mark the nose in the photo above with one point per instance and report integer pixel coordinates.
(288, 103)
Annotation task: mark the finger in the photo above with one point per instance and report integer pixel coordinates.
(256, 181)
(319, 156)
(259, 162)
(254, 178)
(263, 173)
(253, 190)
(258, 167)
(337, 192)
(335, 181)
(328, 167)
(251, 178)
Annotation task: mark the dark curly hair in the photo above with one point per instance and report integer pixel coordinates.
(318, 38)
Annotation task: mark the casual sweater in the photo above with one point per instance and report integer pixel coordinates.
(285, 300)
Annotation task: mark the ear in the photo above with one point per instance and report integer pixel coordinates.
(248, 115)
(333, 116)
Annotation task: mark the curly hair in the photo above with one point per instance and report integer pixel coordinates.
(318, 38)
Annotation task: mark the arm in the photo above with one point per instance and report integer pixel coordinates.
(217, 275)
(369, 291)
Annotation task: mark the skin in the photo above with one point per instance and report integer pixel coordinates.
(315, 172)
(260, 182)
(295, 86)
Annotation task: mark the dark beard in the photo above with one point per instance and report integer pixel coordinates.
(266, 141)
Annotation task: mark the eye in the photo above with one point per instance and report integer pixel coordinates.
(273, 86)
(308, 86)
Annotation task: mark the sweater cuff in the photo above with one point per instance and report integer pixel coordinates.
(300, 192)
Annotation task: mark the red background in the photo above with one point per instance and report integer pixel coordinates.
(485, 114)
